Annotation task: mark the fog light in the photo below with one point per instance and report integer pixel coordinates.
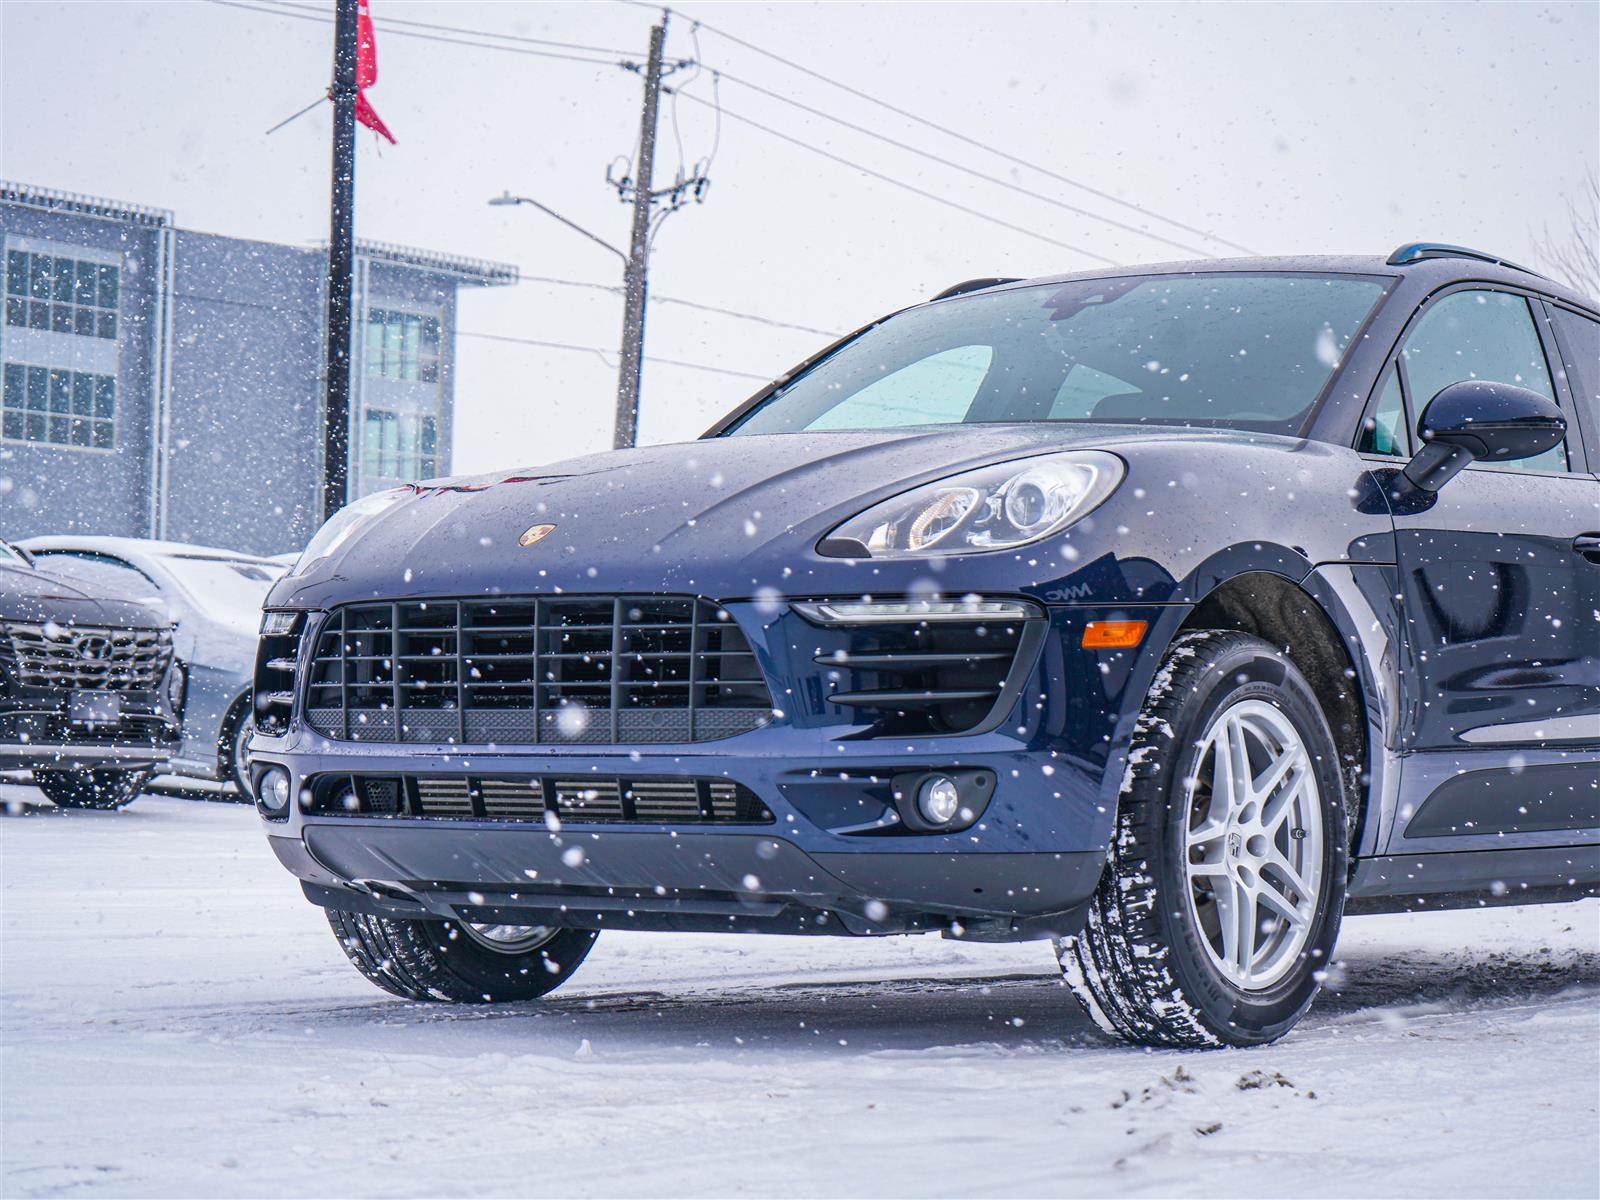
(938, 799)
(272, 792)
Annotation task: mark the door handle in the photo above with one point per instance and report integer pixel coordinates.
(1588, 545)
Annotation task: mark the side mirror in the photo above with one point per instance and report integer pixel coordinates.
(1495, 422)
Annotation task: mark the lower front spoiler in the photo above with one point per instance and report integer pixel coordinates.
(661, 880)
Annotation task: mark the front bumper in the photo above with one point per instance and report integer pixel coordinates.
(832, 860)
(35, 732)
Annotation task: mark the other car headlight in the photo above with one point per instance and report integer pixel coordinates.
(176, 680)
(990, 508)
(339, 528)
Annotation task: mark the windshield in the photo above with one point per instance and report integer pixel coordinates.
(10, 557)
(1246, 350)
(229, 590)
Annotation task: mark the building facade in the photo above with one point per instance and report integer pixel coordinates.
(160, 382)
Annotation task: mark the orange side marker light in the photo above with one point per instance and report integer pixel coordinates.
(1113, 635)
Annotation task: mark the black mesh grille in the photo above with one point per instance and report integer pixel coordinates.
(535, 670)
(605, 800)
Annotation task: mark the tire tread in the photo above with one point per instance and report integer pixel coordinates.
(1116, 966)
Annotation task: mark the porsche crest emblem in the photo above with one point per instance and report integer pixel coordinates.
(534, 534)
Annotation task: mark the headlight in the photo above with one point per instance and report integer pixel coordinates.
(990, 508)
(339, 528)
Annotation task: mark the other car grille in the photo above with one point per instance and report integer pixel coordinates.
(86, 656)
(609, 800)
(535, 671)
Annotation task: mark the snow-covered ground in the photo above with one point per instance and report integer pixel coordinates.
(177, 1021)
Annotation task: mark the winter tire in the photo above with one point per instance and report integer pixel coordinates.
(91, 788)
(1225, 879)
(457, 961)
(233, 752)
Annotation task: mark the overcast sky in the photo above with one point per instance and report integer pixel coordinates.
(1282, 128)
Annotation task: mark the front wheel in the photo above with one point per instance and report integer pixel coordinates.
(234, 752)
(91, 787)
(1221, 900)
(460, 961)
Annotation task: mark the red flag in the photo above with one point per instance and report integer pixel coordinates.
(367, 72)
(366, 48)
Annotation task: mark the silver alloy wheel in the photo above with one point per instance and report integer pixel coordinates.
(508, 939)
(1253, 844)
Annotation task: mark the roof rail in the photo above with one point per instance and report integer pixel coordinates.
(1413, 252)
(973, 285)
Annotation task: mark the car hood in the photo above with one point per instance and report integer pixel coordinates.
(744, 512)
(35, 595)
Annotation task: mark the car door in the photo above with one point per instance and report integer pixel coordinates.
(1502, 694)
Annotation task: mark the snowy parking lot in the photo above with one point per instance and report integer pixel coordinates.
(178, 1021)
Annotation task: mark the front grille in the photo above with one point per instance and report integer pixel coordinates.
(86, 656)
(929, 677)
(534, 671)
(604, 800)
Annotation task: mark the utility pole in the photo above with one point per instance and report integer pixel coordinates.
(634, 282)
(341, 263)
(647, 218)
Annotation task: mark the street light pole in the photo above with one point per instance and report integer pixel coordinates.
(634, 284)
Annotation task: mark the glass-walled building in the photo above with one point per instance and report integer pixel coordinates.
(161, 382)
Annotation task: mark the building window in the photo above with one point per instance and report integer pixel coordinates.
(58, 407)
(399, 445)
(61, 294)
(402, 345)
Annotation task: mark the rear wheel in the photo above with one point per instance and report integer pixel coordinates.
(1221, 901)
(459, 961)
(91, 787)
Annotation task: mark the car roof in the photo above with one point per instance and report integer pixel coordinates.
(126, 546)
(1434, 270)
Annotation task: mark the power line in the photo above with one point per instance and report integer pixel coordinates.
(744, 316)
(283, 8)
(868, 171)
(616, 290)
(964, 169)
(232, 302)
(517, 37)
(296, 15)
(605, 355)
(948, 132)
(900, 183)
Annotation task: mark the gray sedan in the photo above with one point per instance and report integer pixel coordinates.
(214, 597)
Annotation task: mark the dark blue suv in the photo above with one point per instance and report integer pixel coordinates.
(1167, 612)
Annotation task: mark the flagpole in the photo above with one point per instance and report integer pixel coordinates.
(341, 263)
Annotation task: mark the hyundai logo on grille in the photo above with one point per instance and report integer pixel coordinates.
(95, 648)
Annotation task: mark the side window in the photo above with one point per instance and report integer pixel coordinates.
(935, 390)
(1384, 431)
(1580, 347)
(1479, 335)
